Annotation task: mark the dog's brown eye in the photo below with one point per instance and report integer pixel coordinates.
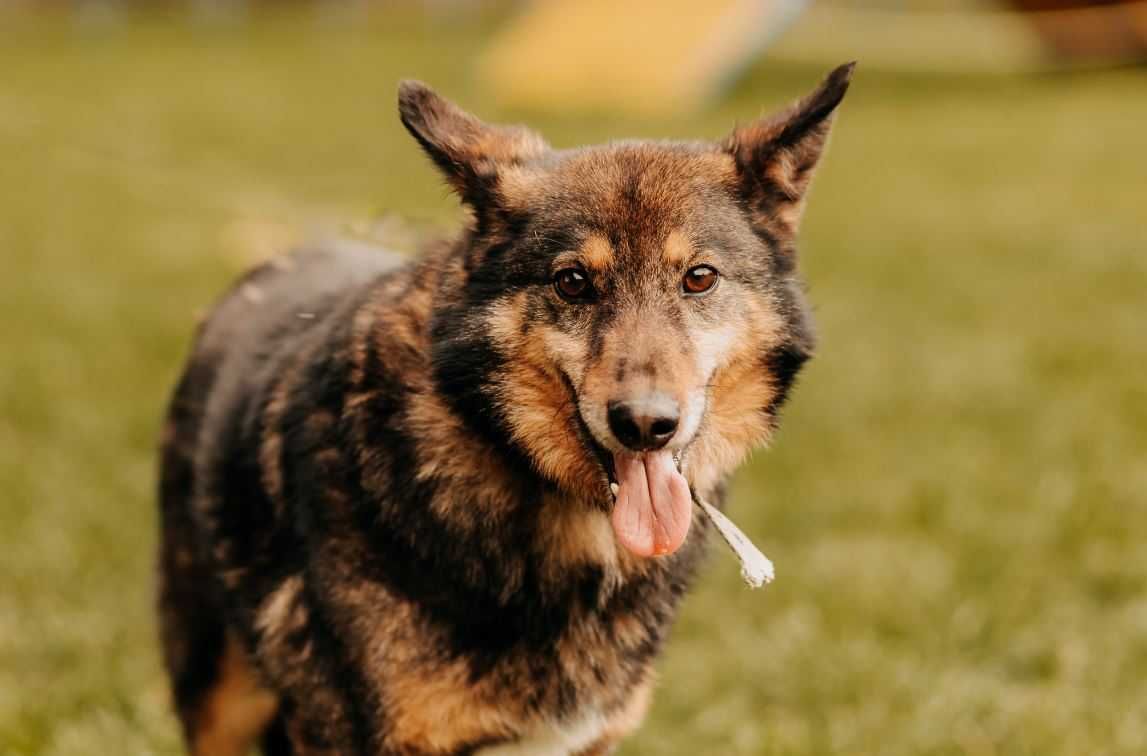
(699, 280)
(573, 285)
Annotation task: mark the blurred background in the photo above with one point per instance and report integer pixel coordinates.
(956, 502)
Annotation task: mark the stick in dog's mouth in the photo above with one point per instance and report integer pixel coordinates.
(756, 568)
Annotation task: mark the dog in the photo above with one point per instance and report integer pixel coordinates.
(444, 506)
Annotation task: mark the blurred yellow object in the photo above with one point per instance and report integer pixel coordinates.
(648, 56)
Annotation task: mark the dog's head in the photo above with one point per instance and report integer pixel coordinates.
(628, 313)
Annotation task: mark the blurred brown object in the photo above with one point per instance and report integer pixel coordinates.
(1049, 5)
(1101, 30)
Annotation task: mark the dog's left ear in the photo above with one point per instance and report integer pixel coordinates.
(776, 156)
(470, 153)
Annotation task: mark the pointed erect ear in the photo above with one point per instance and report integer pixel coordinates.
(470, 153)
(776, 155)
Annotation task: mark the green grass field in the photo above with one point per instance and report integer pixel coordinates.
(957, 504)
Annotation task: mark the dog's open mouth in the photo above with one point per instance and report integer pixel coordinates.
(653, 505)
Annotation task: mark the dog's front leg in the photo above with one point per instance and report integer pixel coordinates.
(321, 725)
(324, 708)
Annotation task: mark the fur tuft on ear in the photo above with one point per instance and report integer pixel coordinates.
(776, 155)
(469, 153)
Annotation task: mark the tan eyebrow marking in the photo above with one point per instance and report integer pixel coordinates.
(678, 248)
(597, 252)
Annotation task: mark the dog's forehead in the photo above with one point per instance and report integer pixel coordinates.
(626, 188)
(654, 172)
(629, 195)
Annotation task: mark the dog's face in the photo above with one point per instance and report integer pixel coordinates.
(627, 313)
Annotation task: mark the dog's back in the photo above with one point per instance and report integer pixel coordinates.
(248, 339)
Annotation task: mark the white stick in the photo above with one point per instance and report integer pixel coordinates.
(756, 568)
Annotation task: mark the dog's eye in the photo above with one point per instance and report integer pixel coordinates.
(699, 279)
(573, 285)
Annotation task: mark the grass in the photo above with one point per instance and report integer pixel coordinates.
(956, 504)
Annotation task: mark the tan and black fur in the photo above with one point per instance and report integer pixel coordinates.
(384, 486)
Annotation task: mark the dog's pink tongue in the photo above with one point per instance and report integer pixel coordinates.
(653, 508)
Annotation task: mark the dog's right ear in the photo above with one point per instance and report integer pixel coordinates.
(470, 153)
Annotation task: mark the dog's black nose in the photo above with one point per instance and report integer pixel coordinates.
(644, 424)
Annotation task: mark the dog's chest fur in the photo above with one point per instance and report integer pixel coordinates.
(573, 735)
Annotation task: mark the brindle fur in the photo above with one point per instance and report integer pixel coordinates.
(384, 518)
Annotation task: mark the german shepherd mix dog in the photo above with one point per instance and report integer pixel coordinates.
(444, 507)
